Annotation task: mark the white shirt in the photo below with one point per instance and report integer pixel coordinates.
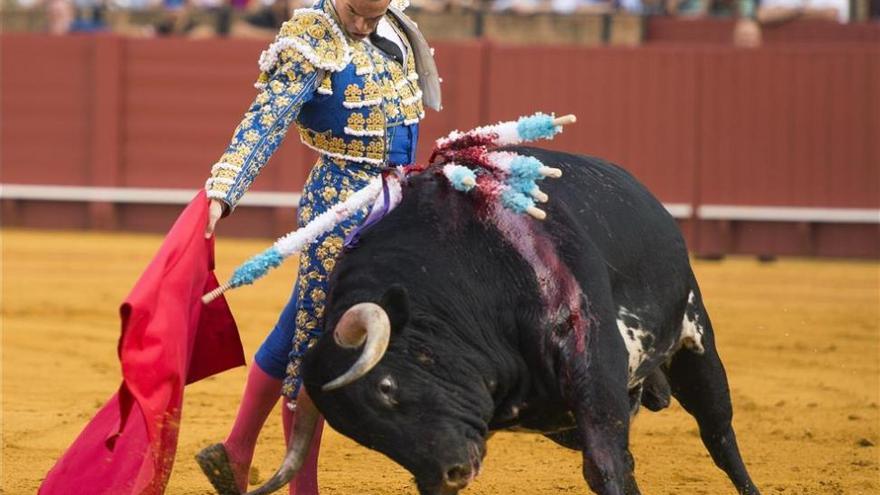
(385, 30)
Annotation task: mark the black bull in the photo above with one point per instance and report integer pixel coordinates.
(498, 321)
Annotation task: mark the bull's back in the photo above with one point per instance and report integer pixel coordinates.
(617, 215)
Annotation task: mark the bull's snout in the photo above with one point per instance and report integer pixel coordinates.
(458, 476)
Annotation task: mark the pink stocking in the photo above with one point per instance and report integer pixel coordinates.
(306, 482)
(261, 392)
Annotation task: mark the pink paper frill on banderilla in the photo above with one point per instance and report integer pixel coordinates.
(169, 338)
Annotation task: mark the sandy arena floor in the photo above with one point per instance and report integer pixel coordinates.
(800, 340)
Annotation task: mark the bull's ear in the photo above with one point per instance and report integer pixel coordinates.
(395, 301)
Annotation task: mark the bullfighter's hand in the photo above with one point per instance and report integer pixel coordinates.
(215, 212)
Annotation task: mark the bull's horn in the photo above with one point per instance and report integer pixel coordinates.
(303, 430)
(364, 321)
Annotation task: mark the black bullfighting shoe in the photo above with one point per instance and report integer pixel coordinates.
(215, 464)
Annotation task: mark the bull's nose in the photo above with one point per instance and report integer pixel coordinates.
(457, 477)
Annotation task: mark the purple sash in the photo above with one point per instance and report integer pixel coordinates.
(353, 237)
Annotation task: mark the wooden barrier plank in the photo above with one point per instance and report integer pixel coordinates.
(45, 136)
(183, 100)
(107, 114)
(634, 107)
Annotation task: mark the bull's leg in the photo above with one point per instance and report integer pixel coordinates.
(631, 488)
(700, 385)
(603, 421)
(596, 385)
(572, 439)
(594, 381)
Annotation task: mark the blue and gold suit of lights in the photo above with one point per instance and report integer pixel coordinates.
(354, 105)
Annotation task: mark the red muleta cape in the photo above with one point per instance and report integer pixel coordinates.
(169, 338)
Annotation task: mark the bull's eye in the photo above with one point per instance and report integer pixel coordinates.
(387, 389)
(387, 385)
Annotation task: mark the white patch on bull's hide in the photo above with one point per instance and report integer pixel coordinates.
(691, 329)
(633, 337)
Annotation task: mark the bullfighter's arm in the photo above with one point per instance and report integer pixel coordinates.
(307, 47)
(290, 86)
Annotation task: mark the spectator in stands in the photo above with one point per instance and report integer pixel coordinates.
(89, 17)
(59, 16)
(78, 16)
(121, 12)
(747, 31)
(558, 6)
(135, 4)
(519, 6)
(688, 8)
(265, 21)
(776, 11)
(643, 7)
(208, 4)
(176, 19)
(582, 6)
(429, 5)
(465, 4)
(218, 11)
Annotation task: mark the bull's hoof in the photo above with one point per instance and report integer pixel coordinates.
(215, 464)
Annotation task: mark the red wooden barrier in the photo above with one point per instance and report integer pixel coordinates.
(790, 127)
(633, 106)
(47, 102)
(181, 103)
(46, 132)
(703, 127)
(463, 67)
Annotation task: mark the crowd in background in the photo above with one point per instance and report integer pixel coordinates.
(262, 18)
